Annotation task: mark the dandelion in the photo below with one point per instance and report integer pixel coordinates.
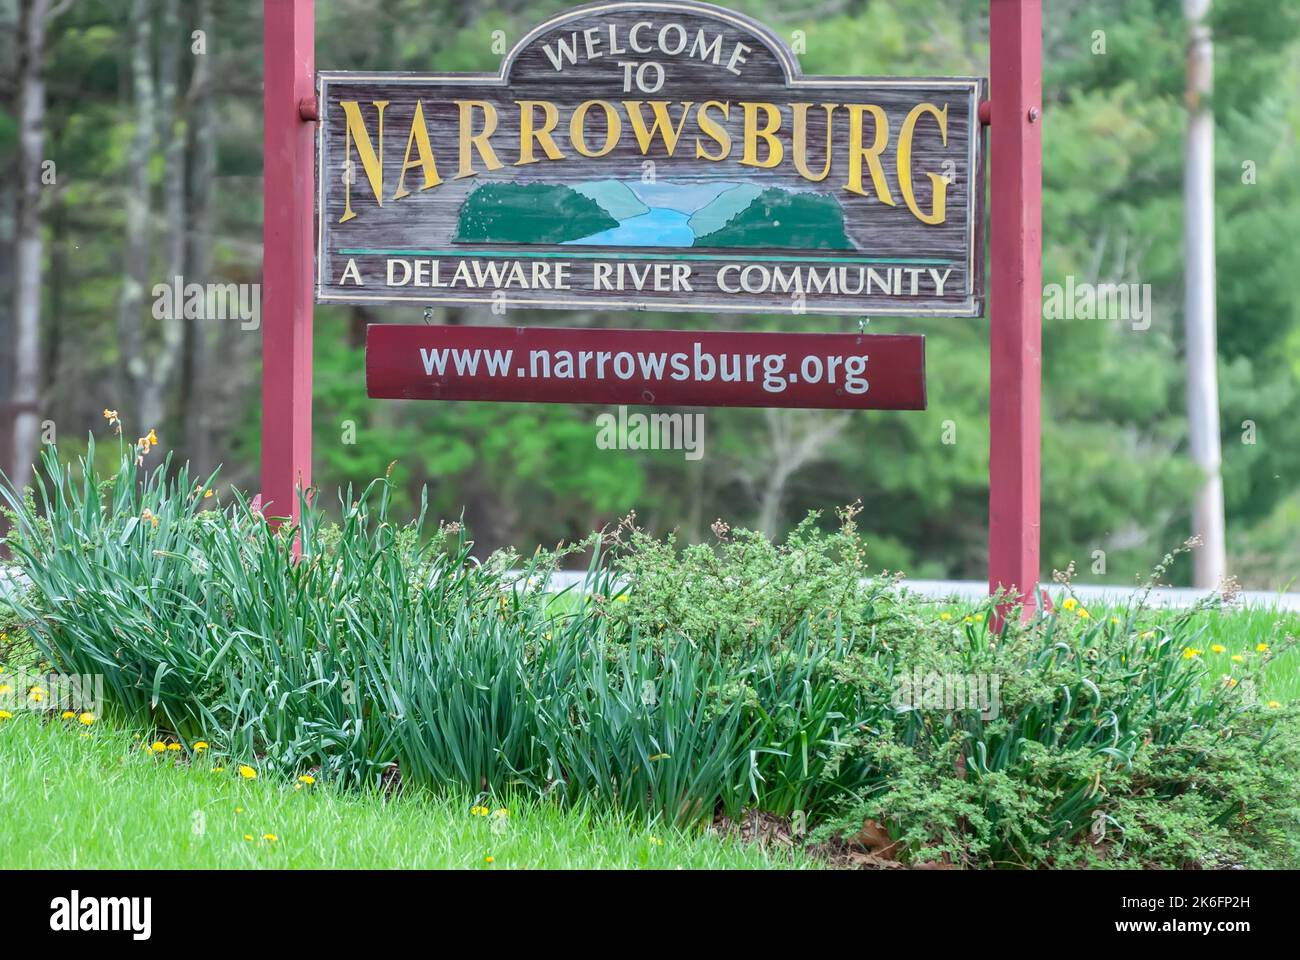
(1272, 705)
(200, 746)
(968, 619)
(1261, 648)
(1217, 648)
(656, 842)
(218, 769)
(1191, 653)
(1068, 604)
(270, 837)
(1084, 614)
(5, 688)
(247, 772)
(248, 836)
(67, 715)
(307, 778)
(945, 615)
(1114, 621)
(173, 747)
(489, 859)
(1238, 658)
(979, 618)
(207, 493)
(239, 809)
(158, 746)
(86, 719)
(478, 811)
(6, 715)
(36, 694)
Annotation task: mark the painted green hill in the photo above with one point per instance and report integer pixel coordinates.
(717, 214)
(778, 218)
(529, 213)
(614, 197)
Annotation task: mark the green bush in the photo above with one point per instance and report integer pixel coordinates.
(681, 684)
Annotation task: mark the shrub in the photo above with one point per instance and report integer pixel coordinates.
(682, 684)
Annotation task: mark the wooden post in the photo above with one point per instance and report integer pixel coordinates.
(1015, 296)
(289, 61)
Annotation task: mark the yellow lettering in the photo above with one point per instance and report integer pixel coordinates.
(858, 153)
(528, 132)
(713, 129)
(752, 134)
(419, 136)
(577, 124)
(800, 140)
(663, 124)
(372, 164)
(476, 141)
(940, 184)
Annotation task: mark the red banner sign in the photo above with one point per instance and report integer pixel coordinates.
(663, 367)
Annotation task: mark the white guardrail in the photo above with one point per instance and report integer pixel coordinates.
(967, 591)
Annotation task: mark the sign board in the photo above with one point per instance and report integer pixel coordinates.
(667, 367)
(651, 156)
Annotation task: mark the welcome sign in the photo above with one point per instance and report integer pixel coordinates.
(666, 156)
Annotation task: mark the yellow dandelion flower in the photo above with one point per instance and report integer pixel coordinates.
(5, 688)
(239, 809)
(86, 719)
(200, 746)
(270, 837)
(1273, 704)
(173, 747)
(656, 842)
(67, 715)
(218, 769)
(6, 715)
(247, 772)
(158, 746)
(207, 493)
(621, 598)
(945, 615)
(1217, 648)
(1238, 658)
(1068, 604)
(1083, 614)
(307, 778)
(979, 618)
(36, 694)
(968, 619)
(248, 836)
(1114, 620)
(1191, 653)
(479, 811)
(1261, 648)
(489, 859)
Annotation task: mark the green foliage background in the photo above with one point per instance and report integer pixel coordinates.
(1115, 473)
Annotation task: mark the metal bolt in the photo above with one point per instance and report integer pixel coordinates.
(1033, 114)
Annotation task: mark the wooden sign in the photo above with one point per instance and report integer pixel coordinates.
(665, 367)
(651, 156)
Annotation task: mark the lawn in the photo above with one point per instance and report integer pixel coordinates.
(79, 797)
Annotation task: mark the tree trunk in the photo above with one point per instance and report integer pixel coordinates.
(195, 399)
(131, 309)
(28, 247)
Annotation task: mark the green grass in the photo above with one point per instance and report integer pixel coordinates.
(99, 801)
